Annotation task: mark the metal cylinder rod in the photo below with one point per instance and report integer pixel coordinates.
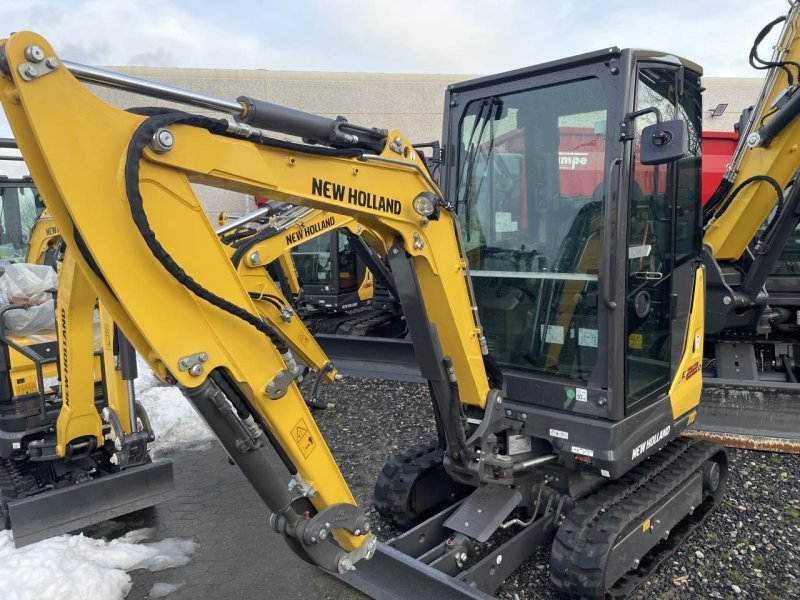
(251, 111)
(152, 89)
(251, 216)
(534, 462)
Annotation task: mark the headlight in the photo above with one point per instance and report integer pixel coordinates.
(424, 204)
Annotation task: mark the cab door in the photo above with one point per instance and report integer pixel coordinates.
(663, 238)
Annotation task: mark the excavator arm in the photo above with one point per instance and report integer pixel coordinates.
(750, 393)
(178, 298)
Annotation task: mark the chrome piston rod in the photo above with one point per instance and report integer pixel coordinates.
(249, 111)
(152, 89)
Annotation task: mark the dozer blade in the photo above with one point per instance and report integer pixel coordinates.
(758, 417)
(67, 509)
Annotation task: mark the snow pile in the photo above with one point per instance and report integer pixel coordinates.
(174, 421)
(74, 566)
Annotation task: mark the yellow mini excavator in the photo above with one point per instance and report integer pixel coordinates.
(560, 420)
(49, 485)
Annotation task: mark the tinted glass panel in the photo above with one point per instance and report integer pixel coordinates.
(530, 199)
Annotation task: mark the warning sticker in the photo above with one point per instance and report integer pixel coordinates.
(518, 444)
(636, 341)
(582, 451)
(303, 438)
(587, 337)
(553, 334)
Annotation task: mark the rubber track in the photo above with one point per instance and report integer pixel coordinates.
(13, 485)
(396, 481)
(365, 324)
(582, 545)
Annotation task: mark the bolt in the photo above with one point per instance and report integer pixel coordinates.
(51, 63)
(602, 401)
(636, 563)
(499, 559)
(347, 564)
(202, 357)
(753, 140)
(466, 523)
(357, 532)
(499, 401)
(323, 533)
(313, 540)
(524, 416)
(508, 413)
(34, 54)
(726, 300)
(196, 370)
(255, 258)
(162, 141)
(30, 71)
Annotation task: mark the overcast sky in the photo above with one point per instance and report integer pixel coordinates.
(433, 36)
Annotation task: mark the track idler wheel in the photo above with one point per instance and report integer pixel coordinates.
(413, 486)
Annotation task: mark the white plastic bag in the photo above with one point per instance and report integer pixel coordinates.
(28, 284)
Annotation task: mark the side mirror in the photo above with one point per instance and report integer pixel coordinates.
(664, 142)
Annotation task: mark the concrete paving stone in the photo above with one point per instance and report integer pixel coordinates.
(237, 556)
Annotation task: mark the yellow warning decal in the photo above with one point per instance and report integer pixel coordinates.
(646, 526)
(636, 341)
(303, 438)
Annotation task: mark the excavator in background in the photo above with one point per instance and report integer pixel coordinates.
(49, 485)
(560, 441)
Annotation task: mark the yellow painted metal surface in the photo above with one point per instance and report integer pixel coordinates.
(75, 322)
(69, 136)
(290, 272)
(44, 236)
(684, 393)
(729, 236)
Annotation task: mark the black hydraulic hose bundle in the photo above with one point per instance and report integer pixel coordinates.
(758, 63)
(144, 133)
(728, 198)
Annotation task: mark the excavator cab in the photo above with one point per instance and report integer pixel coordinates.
(332, 275)
(584, 259)
(21, 205)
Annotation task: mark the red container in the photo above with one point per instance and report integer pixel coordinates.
(718, 147)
